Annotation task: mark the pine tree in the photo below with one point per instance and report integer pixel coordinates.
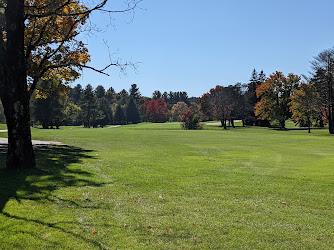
(132, 112)
(106, 112)
(119, 117)
(89, 107)
(156, 94)
(76, 93)
(134, 93)
(100, 91)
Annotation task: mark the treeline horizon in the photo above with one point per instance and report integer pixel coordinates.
(261, 101)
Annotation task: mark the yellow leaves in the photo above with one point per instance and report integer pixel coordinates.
(45, 34)
(40, 94)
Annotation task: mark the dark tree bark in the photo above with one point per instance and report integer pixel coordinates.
(14, 92)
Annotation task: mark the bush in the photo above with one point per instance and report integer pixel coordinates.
(190, 120)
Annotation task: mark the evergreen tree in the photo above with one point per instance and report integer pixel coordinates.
(100, 91)
(75, 94)
(165, 97)
(132, 112)
(123, 97)
(134, 93)
(110, 95)
(262, 77)
(170, 98)
(89, 107)
(184, 97)
(106, 112)
(119, 117)
(156, 94)
(47, 106)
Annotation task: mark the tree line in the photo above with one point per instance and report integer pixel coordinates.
(263, 101)
(54, 105)
(277, 98)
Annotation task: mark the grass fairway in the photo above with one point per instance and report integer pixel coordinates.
(155, 186)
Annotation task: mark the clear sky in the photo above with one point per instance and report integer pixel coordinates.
(194, 45)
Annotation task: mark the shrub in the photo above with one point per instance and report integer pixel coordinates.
(190, 120)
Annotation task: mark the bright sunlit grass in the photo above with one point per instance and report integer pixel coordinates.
(156, 186)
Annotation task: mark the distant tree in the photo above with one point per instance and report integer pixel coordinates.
(119, 116)
(142, 110)
(251, 96)
(275, 95)
(193, 100)
(72, 114)
(100, 91)
(132, 112)
(47, 105)
(134, 93)
(196, 108)
(184, 97)
(177, 111)
(190, 120)
(106, 116)
(304, 105)
(261, 77)
(123, 97)
(171, 100)
(251, 99)
(109, 95)
(89, 107)
(223, 103)
(143, 99)
(156, 94)
(323, 79)
(75, 94)
(164, 97)
(155, 110)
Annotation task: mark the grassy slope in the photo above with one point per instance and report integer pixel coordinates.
(156, 186)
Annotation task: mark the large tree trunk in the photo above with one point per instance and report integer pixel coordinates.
(20, 153)
(15, 96)
(282, 124)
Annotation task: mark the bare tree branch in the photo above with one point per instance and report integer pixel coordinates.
(56, 13)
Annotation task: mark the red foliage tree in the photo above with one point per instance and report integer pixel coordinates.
(190, 120)
(154, 110)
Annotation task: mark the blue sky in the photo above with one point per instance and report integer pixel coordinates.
(194, 45)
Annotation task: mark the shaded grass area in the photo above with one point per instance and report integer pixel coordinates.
(157, 186)
(29, 204)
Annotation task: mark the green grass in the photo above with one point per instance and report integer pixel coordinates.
(156, 186)
(3, 126)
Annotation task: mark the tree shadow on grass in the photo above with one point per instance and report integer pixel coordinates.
(53, 172)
